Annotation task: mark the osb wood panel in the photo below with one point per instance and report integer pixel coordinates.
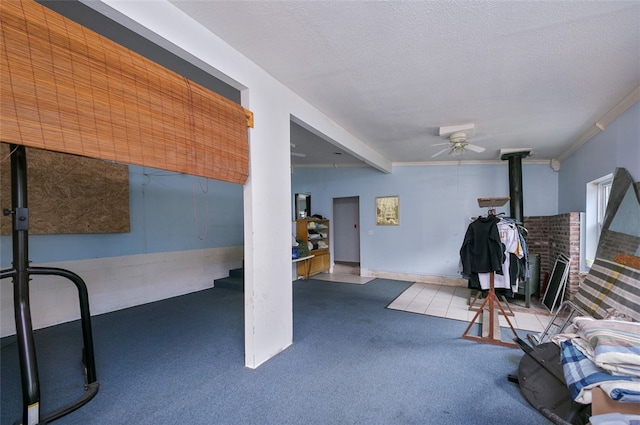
(68, 193)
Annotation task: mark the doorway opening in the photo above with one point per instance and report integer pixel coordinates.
(346, 235)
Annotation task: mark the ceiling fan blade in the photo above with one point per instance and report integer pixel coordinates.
(300, 155)
(441, 144)
(439, 153)
(474, 148)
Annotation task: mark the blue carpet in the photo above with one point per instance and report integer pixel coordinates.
(353, 361)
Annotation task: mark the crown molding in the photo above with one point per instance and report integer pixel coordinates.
(613, 114)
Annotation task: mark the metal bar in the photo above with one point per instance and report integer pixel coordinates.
(90, 391)
(24, 326)
(85, 315)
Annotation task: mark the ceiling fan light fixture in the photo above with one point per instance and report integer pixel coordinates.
(458, 138)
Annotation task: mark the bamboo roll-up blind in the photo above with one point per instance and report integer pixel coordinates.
(67, 89)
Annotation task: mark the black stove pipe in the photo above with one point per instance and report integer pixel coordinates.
(515, 183)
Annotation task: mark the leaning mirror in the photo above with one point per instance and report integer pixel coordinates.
(620, 234)
(302, 203)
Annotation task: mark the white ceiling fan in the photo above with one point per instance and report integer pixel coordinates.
(459, 136)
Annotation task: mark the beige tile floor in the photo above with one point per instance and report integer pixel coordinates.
(452, 302)
(342, 278)
(344, 272)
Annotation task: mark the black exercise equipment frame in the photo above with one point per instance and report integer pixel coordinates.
(20, 273)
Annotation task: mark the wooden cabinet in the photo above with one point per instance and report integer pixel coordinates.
(315, 231)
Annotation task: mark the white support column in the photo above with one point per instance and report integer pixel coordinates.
(267, 218)
(268, 303)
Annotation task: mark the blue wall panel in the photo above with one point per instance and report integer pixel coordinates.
(436, 202)
(169, 212)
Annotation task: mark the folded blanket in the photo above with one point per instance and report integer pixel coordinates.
(613, 345)
(581, 375)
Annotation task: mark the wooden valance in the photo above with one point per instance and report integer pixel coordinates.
(492, 202)
(66, 88)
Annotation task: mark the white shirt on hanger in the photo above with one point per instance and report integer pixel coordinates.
(511, 242)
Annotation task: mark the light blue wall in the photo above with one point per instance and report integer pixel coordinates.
(436, 203)
(162, 220)
(617, 146)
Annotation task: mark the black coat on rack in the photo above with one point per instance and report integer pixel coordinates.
(482, 250)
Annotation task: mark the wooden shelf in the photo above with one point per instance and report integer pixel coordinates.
(493, 202)
(321, 261)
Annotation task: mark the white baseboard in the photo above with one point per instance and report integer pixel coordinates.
(436, 280)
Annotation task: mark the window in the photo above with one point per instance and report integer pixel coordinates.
(598, 192)
(604, 190)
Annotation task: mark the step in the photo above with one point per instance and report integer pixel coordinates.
(347, 268)
(236, 273)
(231, 282)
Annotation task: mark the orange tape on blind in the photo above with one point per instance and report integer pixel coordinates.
(67, 89)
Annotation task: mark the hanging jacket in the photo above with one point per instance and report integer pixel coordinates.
(482, 251)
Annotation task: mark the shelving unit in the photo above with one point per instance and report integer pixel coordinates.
(315, 231)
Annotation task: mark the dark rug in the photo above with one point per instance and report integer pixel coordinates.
(353, 361)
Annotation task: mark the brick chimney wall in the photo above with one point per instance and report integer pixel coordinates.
(564, 237)
(538, 242)
(551, 235)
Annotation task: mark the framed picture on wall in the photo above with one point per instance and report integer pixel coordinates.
(388, 211)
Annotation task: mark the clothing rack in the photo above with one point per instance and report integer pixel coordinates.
(491, 323)
(504, 300)
(491, 329)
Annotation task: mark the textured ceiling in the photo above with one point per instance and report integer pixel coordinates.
(528, 74)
